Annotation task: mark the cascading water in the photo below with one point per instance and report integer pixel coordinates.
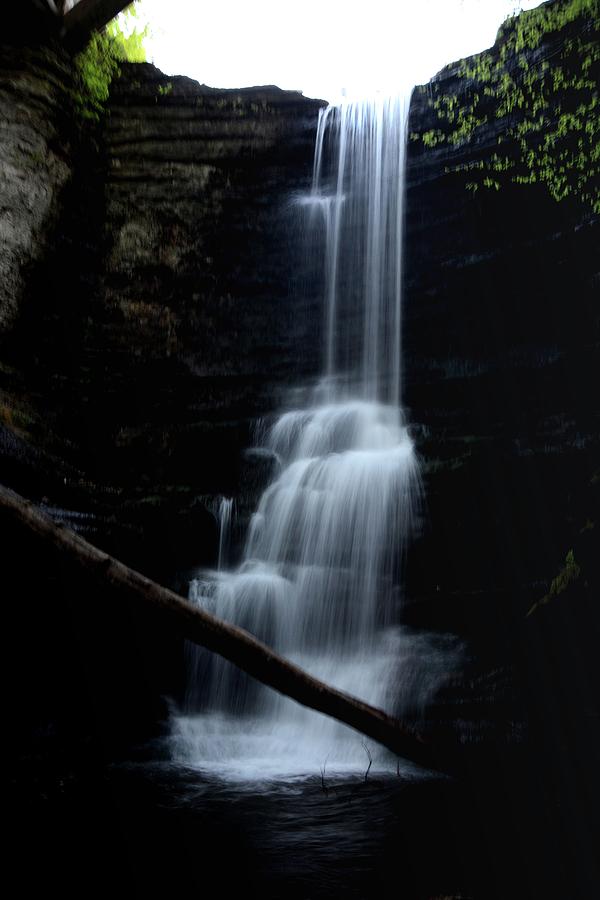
(362, 208)
(225, 516)
(320, 575)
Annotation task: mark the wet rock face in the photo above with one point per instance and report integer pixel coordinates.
(208, 311)
(202, 251)
(204, 260)
(175, 310)
(501, 343)
(501, 352)
(35, 163)
(167, 313)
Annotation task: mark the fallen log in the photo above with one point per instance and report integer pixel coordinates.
(88, 16)
(230, 642)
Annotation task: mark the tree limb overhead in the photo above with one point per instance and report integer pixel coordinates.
(88, 16)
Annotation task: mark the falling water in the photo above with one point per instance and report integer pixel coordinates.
(225, 522)
(363, 218)
(320, 578)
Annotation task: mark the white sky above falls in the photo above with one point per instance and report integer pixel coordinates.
(319, 47)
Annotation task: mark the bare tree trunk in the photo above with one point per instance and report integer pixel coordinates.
(234, 644)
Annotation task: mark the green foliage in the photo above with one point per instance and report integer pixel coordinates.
(128, 38)
(548, 107)
(98, 64)
(567, 575)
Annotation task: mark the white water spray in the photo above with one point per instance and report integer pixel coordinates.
(320, 579)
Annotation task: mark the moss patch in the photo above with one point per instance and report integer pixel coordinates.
(569, 573)
(540, 82)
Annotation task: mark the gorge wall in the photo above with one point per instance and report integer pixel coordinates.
(159, 302)
(160, 327)
(165, 314)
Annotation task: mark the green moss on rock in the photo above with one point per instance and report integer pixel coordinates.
(539, 84)
(569, 573)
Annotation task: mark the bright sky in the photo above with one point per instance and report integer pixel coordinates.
(319, 46)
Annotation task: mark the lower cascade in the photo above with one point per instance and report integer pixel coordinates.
(320, 578)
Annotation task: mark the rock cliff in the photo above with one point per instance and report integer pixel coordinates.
(35, 163)
(173, 310)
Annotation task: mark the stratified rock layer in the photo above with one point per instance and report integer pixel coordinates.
(35, 163)
(174, 310)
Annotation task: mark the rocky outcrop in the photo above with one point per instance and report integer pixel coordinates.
(502, 355)
(203, 311)
(35, 163)
(175, 310)
(502, 348)
(163, 319)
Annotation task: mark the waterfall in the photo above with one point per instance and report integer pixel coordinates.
(225, 521)
(362, 207)
(320, 578)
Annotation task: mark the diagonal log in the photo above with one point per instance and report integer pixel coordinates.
(234, 644)
(88, 16)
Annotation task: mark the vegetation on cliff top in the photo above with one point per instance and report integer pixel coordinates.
(541, 81)
(96, 66)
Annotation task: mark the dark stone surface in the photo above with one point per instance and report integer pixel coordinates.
(166, 314)
(35, 162)
(173, 311)
(502, 360)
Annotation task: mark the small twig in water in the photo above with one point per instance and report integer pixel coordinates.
(370, 758)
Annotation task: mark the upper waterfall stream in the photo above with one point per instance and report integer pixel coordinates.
(320, 579)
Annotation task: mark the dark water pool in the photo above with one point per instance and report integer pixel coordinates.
(153, 828)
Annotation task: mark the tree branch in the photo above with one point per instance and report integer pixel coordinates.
(88, 16)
